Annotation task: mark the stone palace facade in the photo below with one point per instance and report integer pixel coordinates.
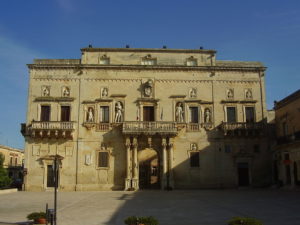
(129, 119)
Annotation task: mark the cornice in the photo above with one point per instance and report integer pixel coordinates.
(144, 67)
(54, 99)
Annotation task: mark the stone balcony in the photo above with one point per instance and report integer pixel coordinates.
(243, 129)
(149, 128)
(48, 129)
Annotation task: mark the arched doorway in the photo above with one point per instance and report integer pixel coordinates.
(149, 169)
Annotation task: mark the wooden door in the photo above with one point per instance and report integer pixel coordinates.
(148, 113)
(243, 174)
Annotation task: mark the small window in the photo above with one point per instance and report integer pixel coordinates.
(103, 159)
(16, 161)
(45, 113)
(256, 149)
(231, 114)
(228, 149)
(11, 161)
(191, 61)
(194, 115)
(104, 110)
(249, 111)
(104, 60)
(148, 60)
(65, 113)
(194, 159)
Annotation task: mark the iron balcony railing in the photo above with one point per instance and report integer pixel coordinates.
(149, 127)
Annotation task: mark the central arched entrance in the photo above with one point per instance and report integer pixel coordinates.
(149, 169)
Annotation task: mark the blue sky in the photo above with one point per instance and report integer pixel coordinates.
(265, 30)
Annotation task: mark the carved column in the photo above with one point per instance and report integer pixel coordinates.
(135, 179)
(164, 162)
(171, 177)
(128, 165)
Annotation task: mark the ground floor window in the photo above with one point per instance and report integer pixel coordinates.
(103, 158)
(194, 159)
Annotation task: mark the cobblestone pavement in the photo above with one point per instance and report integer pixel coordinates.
(199, 207)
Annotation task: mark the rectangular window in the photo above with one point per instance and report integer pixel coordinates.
(104, 110)
(16, 161)
(103, 159)
(45, 113)
(194, 115)
(256, 149)
(249, 111)
(194, 159)
(11, 161)
(227, 149)
(285, 129)
(231, 114)
(65, 113)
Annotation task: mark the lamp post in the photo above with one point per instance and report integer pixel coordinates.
(55, 166)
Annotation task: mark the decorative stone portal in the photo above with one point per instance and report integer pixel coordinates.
(149, 169)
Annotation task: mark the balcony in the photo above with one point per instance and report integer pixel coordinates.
(48, 129)
(243, 129)
(288, 139)
(149, 128)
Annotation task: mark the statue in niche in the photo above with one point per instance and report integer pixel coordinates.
(104, 93)
(90, 115)
(179, 113)
(66, 92)
(193, 93)
(46, 91)
(194, 147)
(248, 94)
(119, 112)
(148, 88)
(207, 116)
(229, 93)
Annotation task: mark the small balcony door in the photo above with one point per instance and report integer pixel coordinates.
(65, 113)
(194, 115)
(45, 113)
(249, 114)
(148, 113)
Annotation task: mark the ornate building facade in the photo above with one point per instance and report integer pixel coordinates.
(286, 158)
(129, 119)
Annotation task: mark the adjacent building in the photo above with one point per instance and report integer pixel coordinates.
(286, 158)
(129, 119)
(13, 161)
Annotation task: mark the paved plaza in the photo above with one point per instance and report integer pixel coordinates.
(199, 207)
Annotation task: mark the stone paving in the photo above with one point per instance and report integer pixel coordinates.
(199, 207)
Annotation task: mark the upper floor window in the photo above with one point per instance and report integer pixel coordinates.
(45, 113)
(65, 113)
(285, 129)
(249, 113)
(148, 60)
(194, 114)
(231, 114)
(104, 114)
(191, 61)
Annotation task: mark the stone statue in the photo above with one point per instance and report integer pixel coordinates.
(66, 92)
(229, 93)
(193, 93)
(193, 146)
(90, 115)
(148, 88)
(179, 113)
(104, 92)
(119, 112)
(207, 116)
(248, 94)
(46, 91)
